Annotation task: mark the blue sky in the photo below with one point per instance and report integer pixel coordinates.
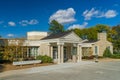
(20, 16)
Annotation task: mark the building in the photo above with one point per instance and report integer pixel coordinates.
(65, 46)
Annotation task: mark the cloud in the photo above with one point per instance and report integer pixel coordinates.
(24, 22)
(64, 16)
(28, 22)
(11, 23)
(1, 22)
(88, 14)
(110, 14)
(10, 35)
(116, 5)
(78, 26)
(33, 22)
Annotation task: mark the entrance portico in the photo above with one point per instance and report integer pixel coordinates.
(63, 52)
(63, 47)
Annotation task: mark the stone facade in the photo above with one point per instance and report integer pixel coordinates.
(66, 46)
(102, 44)
(35, 35)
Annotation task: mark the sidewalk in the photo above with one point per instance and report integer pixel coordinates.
(44, 68)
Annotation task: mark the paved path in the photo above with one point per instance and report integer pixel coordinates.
(68, 71)
(43, 68)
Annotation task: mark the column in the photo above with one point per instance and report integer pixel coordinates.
(93, 49)
(51, 51)
(62, 54)
(59, 56)
(27, 52)
(80, 49)
(78, 53)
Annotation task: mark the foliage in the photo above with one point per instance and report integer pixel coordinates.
(56, 27)
(116, 56)
(44, 59)
(113, 34)
(91, 33)
(116, 38)
(101, 28)
(13, 51)
(91, 57)
(107, 53)
(1, 56)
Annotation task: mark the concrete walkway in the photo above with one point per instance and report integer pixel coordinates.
(44, 68)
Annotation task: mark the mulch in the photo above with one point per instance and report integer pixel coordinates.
(7, 67)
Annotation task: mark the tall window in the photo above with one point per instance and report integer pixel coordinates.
(55, 54)
(96, 50)
(108, 47)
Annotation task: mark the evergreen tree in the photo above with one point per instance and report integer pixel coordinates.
(56, 27)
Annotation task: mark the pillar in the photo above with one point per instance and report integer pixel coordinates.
(27, 52)
(78, 53)
(80, 49)
(93, 49)
(59, 56)
(51, 51)
(62, 54)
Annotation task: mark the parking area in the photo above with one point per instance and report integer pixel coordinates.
(85, 70)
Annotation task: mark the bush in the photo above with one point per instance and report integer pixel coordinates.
(91, 57)
(5, 61)
(44, 59)
(107, 53)
(1, 56)
(116, 56)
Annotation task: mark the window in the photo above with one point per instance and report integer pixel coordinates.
(96, 50)
(55, 54)
(108, 47)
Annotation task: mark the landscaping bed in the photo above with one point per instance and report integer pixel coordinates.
(102, 59)
(7, 67)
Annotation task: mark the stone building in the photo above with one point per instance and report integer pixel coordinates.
(63, 46)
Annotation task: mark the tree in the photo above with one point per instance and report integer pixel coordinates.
(56, 27)
(14, 50)
(107, 53)
(101, 28)
(116, 38)
(87, 33)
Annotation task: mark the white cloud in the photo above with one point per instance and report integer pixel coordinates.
(24, 22)
(11, 23)
(10, 35)
(110, 14)
(78, 26)
(63, 16)
(28, 22)
(33, 22)
(1, 22)
(88, 14)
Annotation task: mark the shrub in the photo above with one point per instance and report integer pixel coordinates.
(116, 56)
(1, 56)
(44, 59)
(107, 53)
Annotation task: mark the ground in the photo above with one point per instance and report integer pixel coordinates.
(85, 70)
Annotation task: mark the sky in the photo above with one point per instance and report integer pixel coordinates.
(17, 17)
